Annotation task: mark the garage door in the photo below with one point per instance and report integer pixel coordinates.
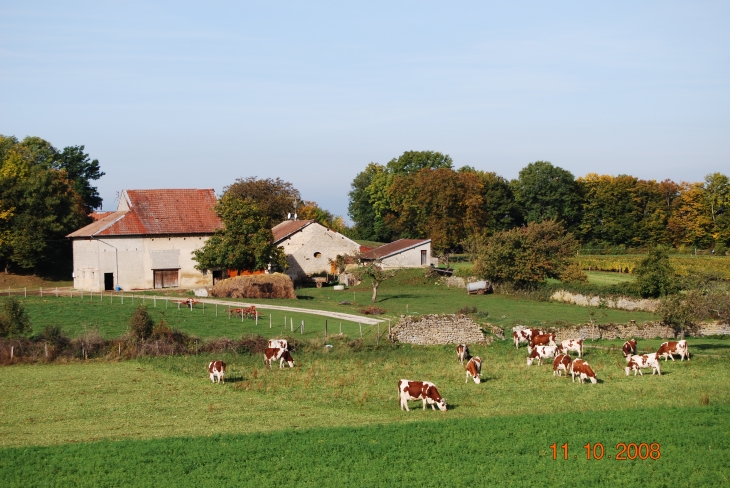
(166, 278)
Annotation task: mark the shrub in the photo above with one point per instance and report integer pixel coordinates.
(141, 324)
(277, 285)
(573, 274)
(14, 321)
(655, 275)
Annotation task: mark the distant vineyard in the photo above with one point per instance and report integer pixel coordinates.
(684, 266)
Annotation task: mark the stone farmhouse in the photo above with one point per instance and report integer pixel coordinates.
(147, 243)
(309, 246)
(403, 253)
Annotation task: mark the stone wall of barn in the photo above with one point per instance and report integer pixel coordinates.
(438, 329)
(309, 250)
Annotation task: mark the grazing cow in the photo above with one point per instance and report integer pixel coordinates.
(217, 371)
(462, 352)
(629, 348)
(541, 340)
(278, 354)
(560, 364)
(524, 335)
(474, 369)
(540, 353)
(420, 390)
(672, 348)
(635, 363)
(582, 370)
(571, 345)
(278, 344)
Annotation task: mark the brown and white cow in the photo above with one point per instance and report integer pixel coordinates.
(462, 353)
(474, 369)
(217, 371)
(420, 390)
(582, 370)
(540, 353)
(278, 344)
(637, 362)
(541, 340)
(571, 345)
(560, 364)
(522, 334)
(629, 348)
(278, 354)
(671, 348)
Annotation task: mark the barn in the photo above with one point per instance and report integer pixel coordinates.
(403, 253)
(147, 242)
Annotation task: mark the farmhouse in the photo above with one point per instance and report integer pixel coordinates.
(403, 253)
(309, 246)
(147, 243)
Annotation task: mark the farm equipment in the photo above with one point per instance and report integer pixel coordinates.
(249, 312)
(478, 287)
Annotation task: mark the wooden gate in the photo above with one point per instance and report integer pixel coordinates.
(166, 278)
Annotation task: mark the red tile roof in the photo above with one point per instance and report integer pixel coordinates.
(158, 212)
(99, 215)
(393, 248)
(288, 227)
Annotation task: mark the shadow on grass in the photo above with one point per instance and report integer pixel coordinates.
(404, 295)
(704, 347)
(304, 297)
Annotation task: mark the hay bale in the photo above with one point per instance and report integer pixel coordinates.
(277, 285)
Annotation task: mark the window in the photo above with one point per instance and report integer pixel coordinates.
(317, 255)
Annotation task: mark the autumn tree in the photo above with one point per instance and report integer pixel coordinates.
(525, 256)
(309, 210)
(374, 272)
(244, 243)
(274, 198)
(691, 220)
(548, 192)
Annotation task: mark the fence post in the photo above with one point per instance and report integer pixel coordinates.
(203, 308)
(291, 323)
(340, 328)
(360, 329)
(154, 302)
(377, 340)
(25, 291)
(45, 349)
(41, 292)
(82, 295)
(302, 331)
(269, 321)
(56, 292)
(12, 350)
(325, 330)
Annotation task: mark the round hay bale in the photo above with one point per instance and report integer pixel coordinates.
(277, 285)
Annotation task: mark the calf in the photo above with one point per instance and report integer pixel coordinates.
(278, 343)
(541, 340)
(462, 353)
(522, 334)
(629, 348)
(420, 390)
(474, 369)
(278, 354)
(217, 371)
(582, 370)
(635, 363)
(560, 364)
(672, 348)
(571, 345)
(540, 352)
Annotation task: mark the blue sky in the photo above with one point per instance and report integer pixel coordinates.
(183, 94)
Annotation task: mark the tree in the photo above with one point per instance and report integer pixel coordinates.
(274, 198)
(244, 243)
(14, 321)
(81, 170)
(547, 192)
(691, 220)
(414, 161)
(525, 256)
(309, 210)
(360, 208)
(377, 275)
(141, 324)
(654, 275)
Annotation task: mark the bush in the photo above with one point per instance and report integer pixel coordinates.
(277, 285)
(14, 321)
(573, 274)
(141, 324)
(655, 275)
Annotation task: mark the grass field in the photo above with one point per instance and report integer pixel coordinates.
(336, 416)
(606, 278)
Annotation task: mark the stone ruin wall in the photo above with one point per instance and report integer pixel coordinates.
(438, 329)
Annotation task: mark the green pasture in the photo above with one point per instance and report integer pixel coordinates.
(607, 278)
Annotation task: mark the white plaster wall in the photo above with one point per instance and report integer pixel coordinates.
(315, 238)
(410, 258)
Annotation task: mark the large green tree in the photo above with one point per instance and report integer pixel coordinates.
(548, 192)
(275, 198)
(81, 170)
(245, 243)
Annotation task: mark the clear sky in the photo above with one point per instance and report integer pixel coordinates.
(197, 94)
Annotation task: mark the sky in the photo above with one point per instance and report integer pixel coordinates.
(198, 94)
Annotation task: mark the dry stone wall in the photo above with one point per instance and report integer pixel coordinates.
(438, 329)
(621, 303)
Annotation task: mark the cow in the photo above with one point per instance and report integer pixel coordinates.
(462, 353)
(560, 364)
(278, 344)
(522, 334)
(540, 353)
(629, 348)
(278, 354)
(582, 370)
(671, 348)
(541, 340)
(420, 390)
(474, 369)
(636, 362)
(217, 371)
(571, 345)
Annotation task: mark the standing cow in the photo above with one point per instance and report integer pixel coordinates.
(583, 371)
(672, 348)
(541, 340)
(474, 369)
(462, 353)
(560, 364)
(278, 354)
(420, 390)
(629, 348)
(636, 362)
(571, 345)
(540, 353)
(217, 371)
(522, 334)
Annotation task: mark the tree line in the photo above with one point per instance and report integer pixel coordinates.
(421, 195)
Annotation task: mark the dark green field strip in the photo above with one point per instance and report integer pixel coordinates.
(694, 451)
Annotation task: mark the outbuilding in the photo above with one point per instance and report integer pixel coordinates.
(403, 253)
